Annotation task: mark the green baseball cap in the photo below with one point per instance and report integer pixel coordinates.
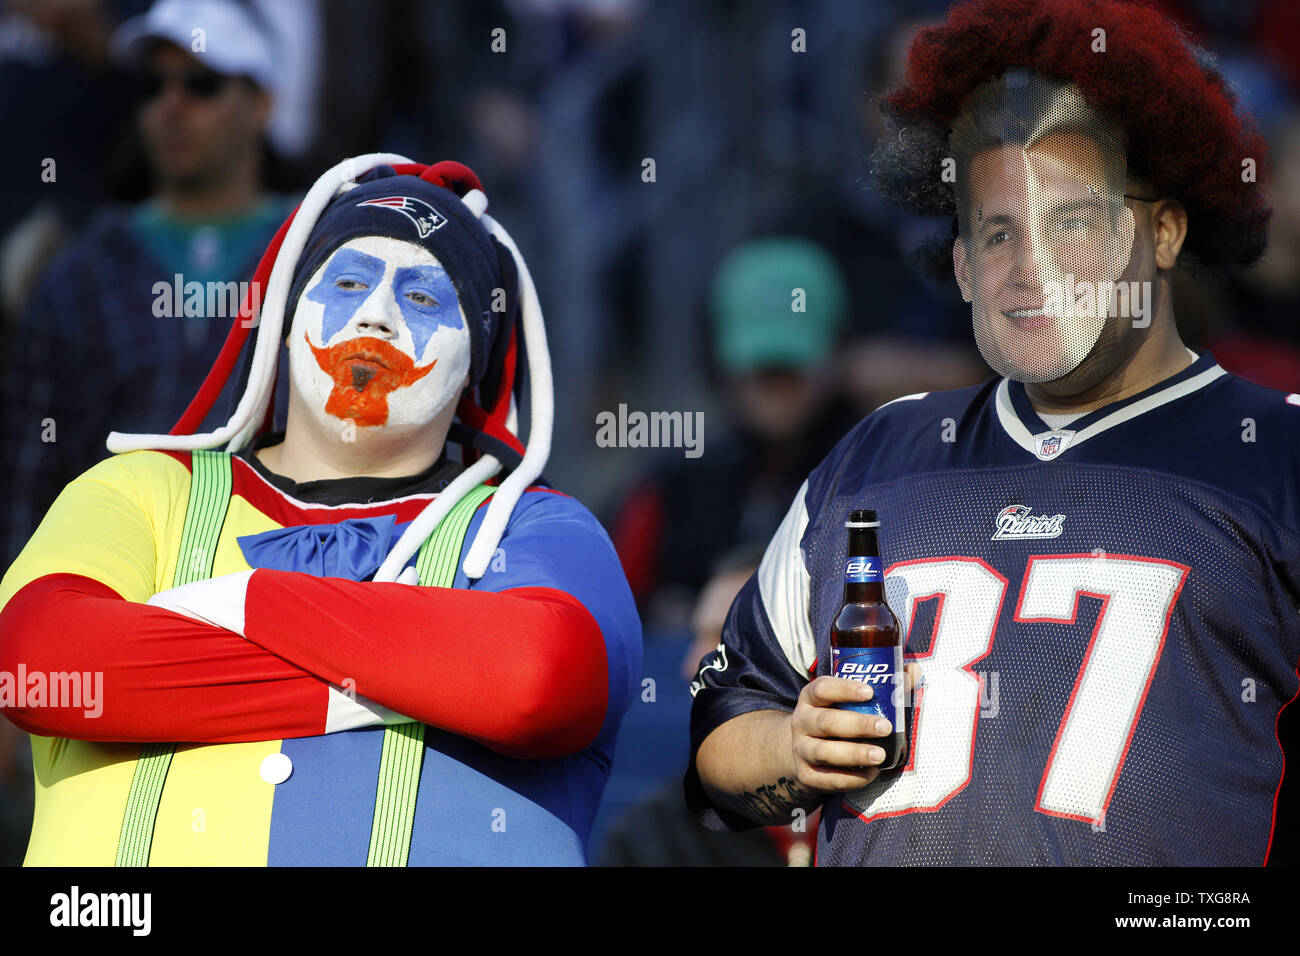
(776, 301)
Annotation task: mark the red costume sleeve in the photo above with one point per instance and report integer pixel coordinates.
(165, 677)
(523, 671)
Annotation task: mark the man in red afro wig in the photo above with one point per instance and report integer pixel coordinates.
(1185, 136)
(1093, 558)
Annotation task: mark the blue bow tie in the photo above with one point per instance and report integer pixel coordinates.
(353, 549)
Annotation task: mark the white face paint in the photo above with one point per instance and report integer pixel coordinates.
(378, 337)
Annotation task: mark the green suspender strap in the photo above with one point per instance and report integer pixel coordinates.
(403, 750)
(205, 513)
(403, 746)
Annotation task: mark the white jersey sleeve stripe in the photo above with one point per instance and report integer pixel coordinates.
(784, 585)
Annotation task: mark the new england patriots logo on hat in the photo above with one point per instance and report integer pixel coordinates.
(425, 217)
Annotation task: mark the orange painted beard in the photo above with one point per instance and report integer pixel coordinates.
(364, 371)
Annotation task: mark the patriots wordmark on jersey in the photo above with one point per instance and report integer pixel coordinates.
(1105, 615)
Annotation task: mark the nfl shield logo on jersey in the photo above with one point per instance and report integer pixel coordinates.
(1051, 444)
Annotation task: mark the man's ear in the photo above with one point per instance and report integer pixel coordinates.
(1169, 227)
(961, 268)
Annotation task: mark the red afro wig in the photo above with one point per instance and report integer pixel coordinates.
(1184, 134)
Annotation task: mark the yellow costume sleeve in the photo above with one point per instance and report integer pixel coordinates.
(118, 523)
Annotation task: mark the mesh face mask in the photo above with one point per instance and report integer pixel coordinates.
(1044, 232)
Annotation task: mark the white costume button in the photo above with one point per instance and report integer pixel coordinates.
(276, 768)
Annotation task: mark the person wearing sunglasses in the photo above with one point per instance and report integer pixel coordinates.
(131, 312)
(205, 79)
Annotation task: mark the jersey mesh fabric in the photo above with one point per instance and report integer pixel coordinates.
(1209, 652)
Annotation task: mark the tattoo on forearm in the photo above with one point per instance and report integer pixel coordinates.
(775, 801)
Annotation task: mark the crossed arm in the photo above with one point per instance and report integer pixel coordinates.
(523, 670)
(450, 658)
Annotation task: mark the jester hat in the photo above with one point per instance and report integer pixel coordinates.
(447, 212)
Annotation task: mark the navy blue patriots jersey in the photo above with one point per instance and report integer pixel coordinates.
(1105, 616)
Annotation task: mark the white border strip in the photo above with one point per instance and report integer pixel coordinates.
(1011, 422)
(784, 587)
(1164, 397)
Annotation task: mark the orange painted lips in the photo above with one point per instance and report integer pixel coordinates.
(365, 371)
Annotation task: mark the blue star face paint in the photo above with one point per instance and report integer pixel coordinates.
(389, 297)
(427, 300)
(348, 279)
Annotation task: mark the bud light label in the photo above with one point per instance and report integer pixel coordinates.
(882, 668)
(862, 570)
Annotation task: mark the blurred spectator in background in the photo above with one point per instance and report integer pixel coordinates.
(128, 317)
(296, 31)
(659, 830)
(777, 307)
(64, 112)
(1249, 319)
(913, 334)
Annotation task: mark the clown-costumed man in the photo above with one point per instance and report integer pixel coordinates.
(1095, 556)
(377, 638)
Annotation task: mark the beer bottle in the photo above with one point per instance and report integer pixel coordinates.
(865, 641)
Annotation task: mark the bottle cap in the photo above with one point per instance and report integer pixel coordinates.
(862, 518)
